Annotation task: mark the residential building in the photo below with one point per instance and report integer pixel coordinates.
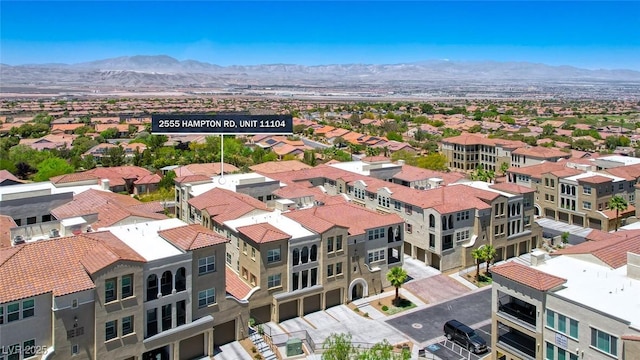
(467, 152)
(577, 305)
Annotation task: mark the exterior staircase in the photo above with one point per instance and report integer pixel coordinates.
(263, 348)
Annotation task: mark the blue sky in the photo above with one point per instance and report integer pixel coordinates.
(585, 34)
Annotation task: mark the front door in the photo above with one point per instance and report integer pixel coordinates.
(356, 292)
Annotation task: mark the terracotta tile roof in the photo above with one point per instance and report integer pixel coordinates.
(356, 218)
(6, 223)
(207, 169)
(124, 172)
(6, 175)
(595, 179)
(263, 233)
(566, 172)
(294, 191)
(512, 188)
(223, 205)
(312, 223)
(148, 179)
(541, 152)
(234, 285)
(74, 177)
(468, 139)
(279, 166)
(192, 179)
(110, 207)
(612, 251)
(537, 170)
(414, 173)
(192, 237)
(528, 276)
(631, 172)
(152, 206)
(65, 269)
(285, 149)
(611, 214)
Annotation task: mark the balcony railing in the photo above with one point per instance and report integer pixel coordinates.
(525, 314)
(520, 344)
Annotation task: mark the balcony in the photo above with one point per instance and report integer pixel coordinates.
(518, 311)
(516, 342)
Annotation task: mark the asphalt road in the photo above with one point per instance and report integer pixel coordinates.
(426, 324)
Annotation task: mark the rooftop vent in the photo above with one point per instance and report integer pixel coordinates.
(18, 239)
(54, 233)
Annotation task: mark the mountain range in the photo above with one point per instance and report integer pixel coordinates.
(166, 71)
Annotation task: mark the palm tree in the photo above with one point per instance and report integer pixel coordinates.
(397, 276)
(489, 254)
(478, 255)
(618, 203)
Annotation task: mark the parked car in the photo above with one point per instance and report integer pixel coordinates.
(465, 336)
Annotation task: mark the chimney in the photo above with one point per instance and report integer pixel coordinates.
(105, 184)
(537, 257)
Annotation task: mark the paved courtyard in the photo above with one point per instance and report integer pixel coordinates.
(436, 288)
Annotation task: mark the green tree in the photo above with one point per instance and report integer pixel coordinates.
(394, 136)
(583, 144)
(338, 347)
(504, 167)
(397, 276)
(309, 158)
(478, 255)
(167, 180)
(548, 130)
(433, 161)
(114, 156)
(110, 133)
(618, 203)
(489, 254)
(52, 167)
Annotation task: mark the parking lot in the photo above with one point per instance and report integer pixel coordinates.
(449, 350)
(425, 326)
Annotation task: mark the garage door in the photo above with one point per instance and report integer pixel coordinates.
(333, 298)
(261, 314)
(224, 333)
(311, 304)
(192, 347)
(288, 310)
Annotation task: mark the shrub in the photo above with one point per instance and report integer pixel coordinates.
(385, 308)
(356, 310)
(366, 314)
(254, 349)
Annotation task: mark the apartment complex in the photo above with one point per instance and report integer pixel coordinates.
(576, 194)
(580, 304)
(147, 290)
(467, 152)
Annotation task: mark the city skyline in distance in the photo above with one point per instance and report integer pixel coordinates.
(590, 35)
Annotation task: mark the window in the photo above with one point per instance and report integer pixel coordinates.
(127, 325)
(207, 297)
(181, 312)
(74, 304)
(305, 255)
(75, 350)
(447, 242)
(586, 189)
(604, 342)
(409, 228)
(29, 348)
(330, 244)
(397, 205)
(31, 220)
(562, 323)
(127, 288)
(432, 241)
(338, 242)
(1, 315)
(274, 281)
(573, 328)
(375, 234)
(253, 280)
(376, 255)
(13, 351)
(253, 253)
(166, 283)
(152, 322)
(463, 215)
(462, 235)
(207, 265)
(551, 319)
(408, 209)
(245, 274)
(244, 247)
(229, 258)
(586, 205)
(152, 287)
(110, 330)
(166, 317)
(339, 268)
(13, 312)
(181, 279)
(329, 270)
(110, 292)
(550, 351)
(432, 221)
(28, 308)
(273, 255)
(296, 256)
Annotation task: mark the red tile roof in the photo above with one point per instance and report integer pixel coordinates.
(528, 276)
(541, 152)
(223, 205)
(208, 169)
(191, 237)
(65, 269)
(148, 179)
(6, 175)
(192, 179)
(74, 177)
(279, 166)
(110, 207)
(630, 172)
(612, 251)
(263, 233)
(512, 188)
(414, 173)
(234, 285)
(537, 170)
(6, 223)
(313, 223)
(595, 179)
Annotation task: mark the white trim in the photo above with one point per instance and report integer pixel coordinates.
(365, 288)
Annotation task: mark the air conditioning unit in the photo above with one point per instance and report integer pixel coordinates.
(18, 239)
(54, 233)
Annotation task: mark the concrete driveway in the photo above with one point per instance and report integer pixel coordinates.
(425, 326)
(436, 288)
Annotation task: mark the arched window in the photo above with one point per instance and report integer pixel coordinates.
(450, 221)
(166, 283)
(181, 279)
(314, 253)
(519, 208)
(573, 190)
(152, 287)
(296, 256)
(432, 221)
(444, 223)
(562, 188)
(305, 255)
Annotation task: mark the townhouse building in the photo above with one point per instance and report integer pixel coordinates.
(577, 305)
(467, 152)
(140, 291)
